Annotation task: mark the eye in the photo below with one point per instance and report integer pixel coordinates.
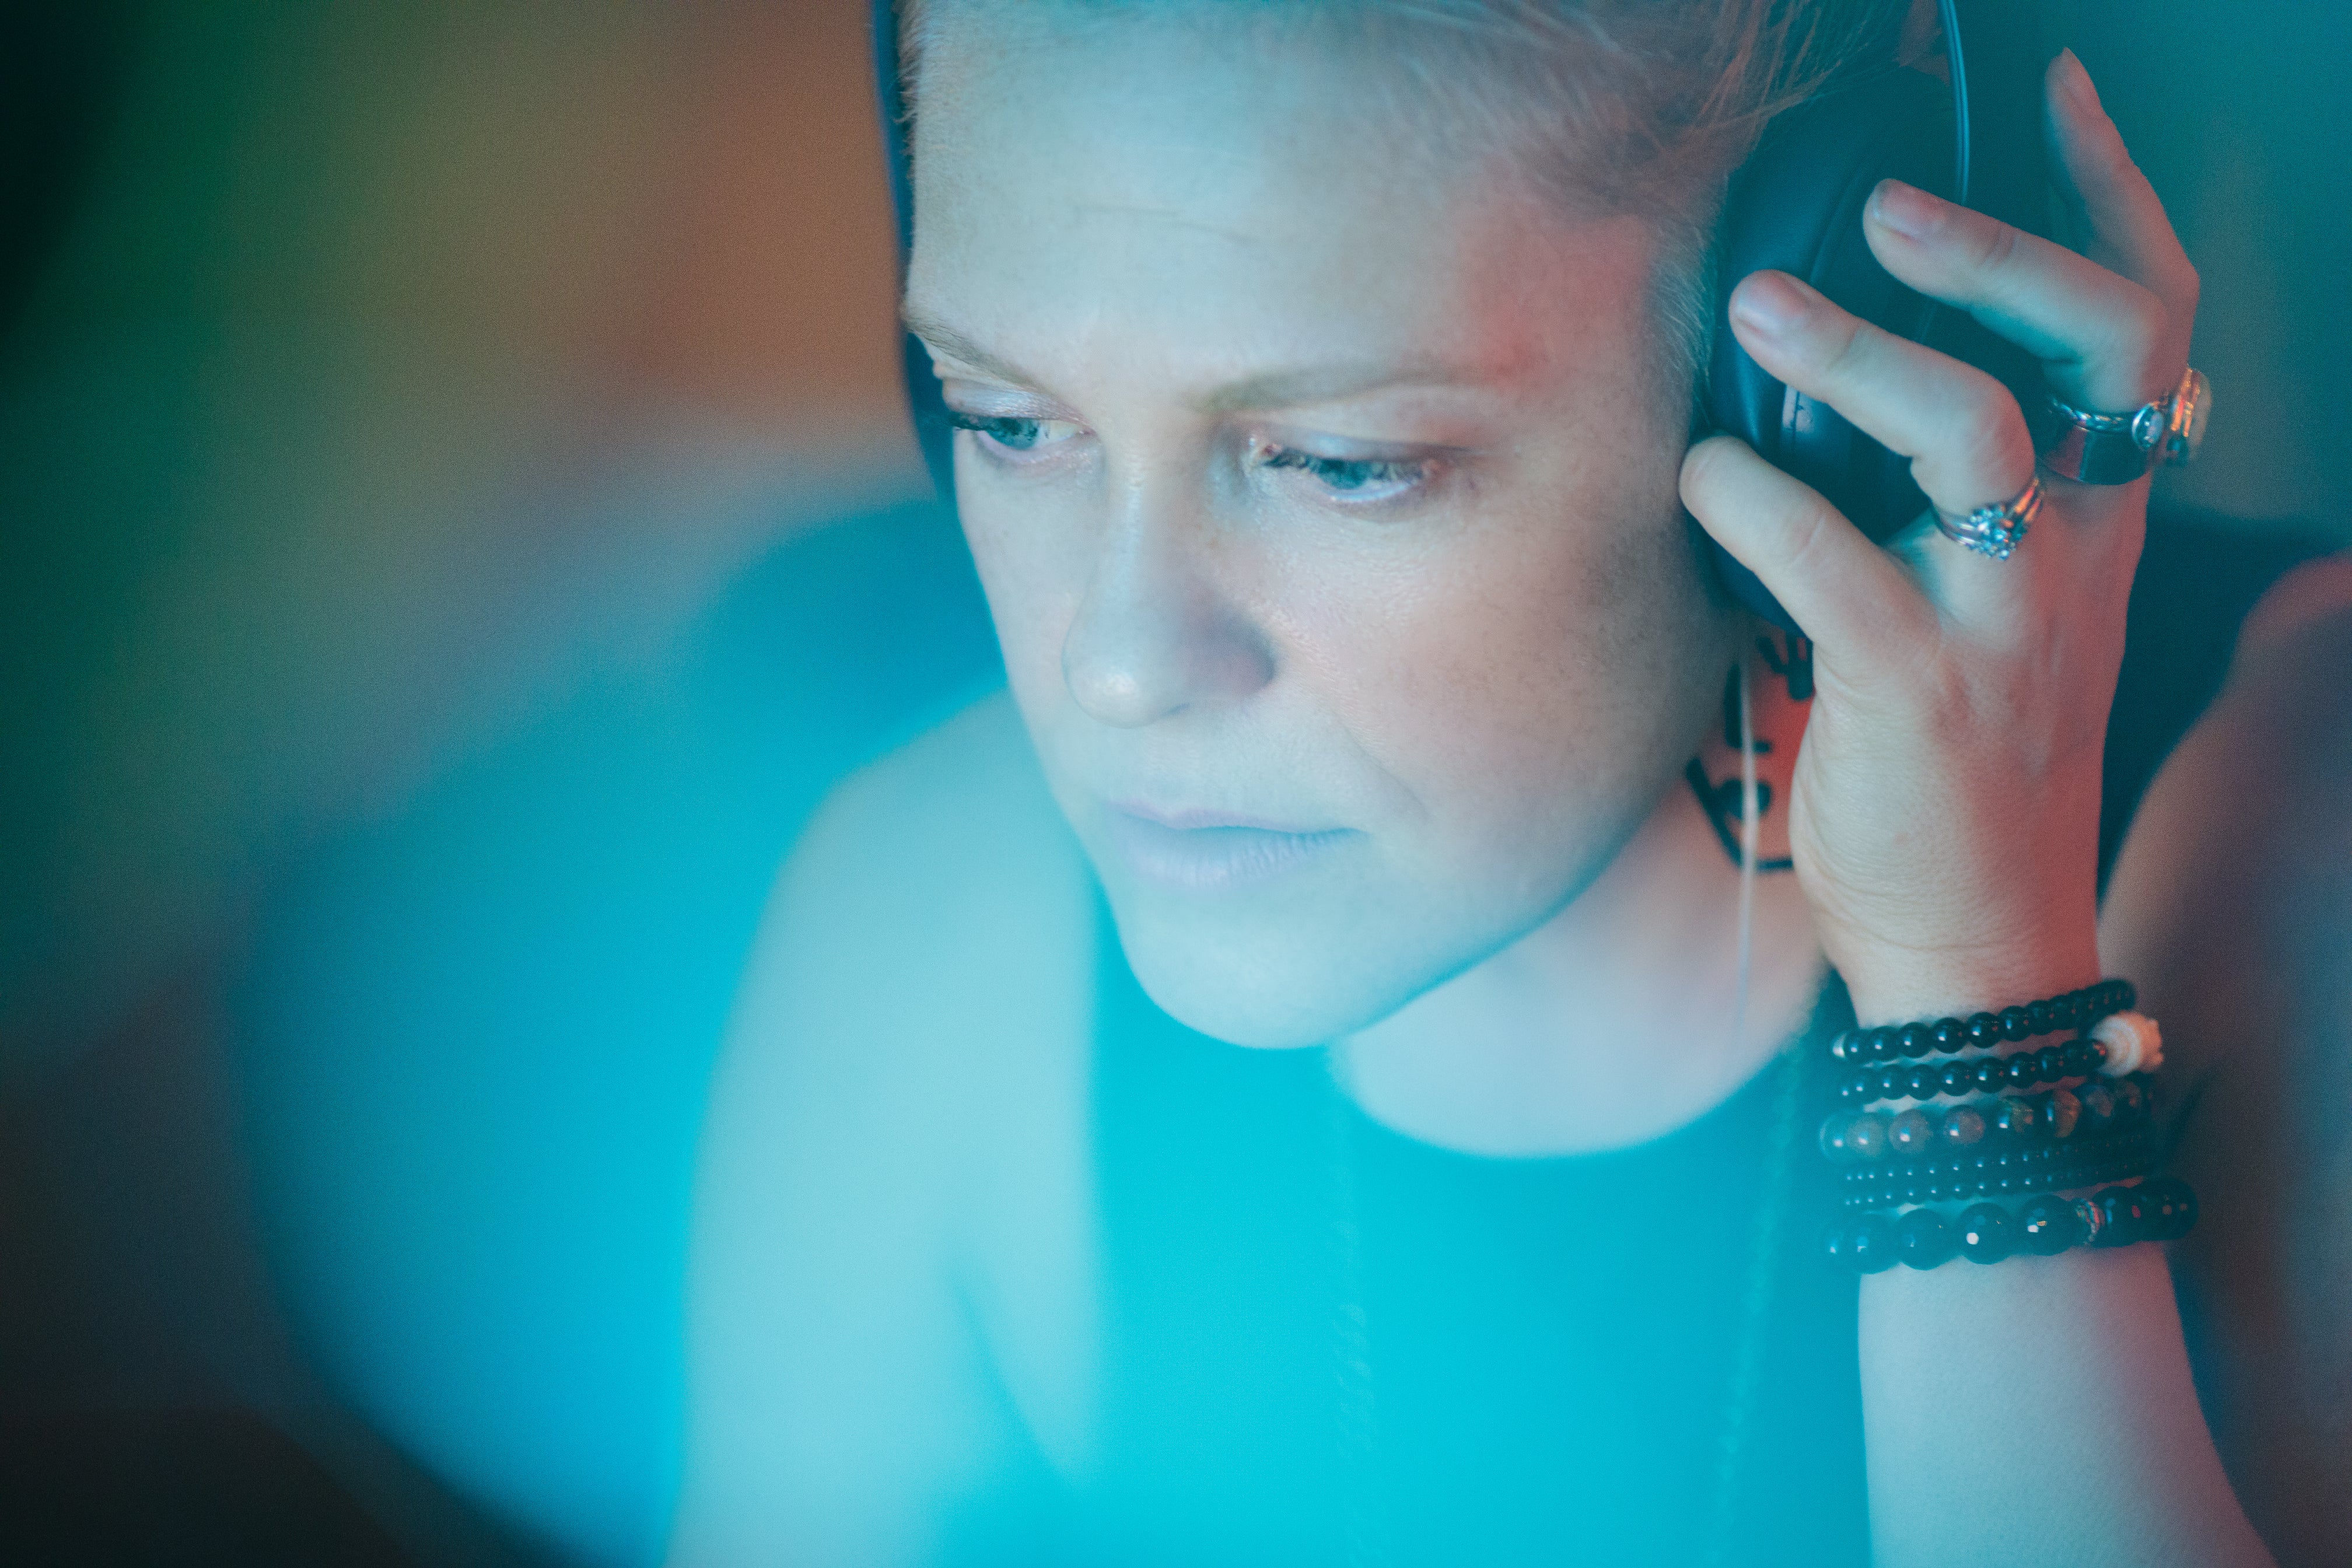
(1353, 480)
(1010, 438)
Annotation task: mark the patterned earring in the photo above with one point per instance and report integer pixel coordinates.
(1791, 660)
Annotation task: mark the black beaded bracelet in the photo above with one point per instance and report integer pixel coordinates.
(2075, 1010)
(2081, 1179)
(2077, 1171)
(1987, 1075)
(1981, 1161)
(2009, 1121)
(2160, 1210)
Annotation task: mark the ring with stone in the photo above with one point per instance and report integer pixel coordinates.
(1995, 530)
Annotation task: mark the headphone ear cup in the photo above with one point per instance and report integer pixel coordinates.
(1796, 207)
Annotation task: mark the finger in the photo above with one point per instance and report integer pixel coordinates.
(2117, 208)
(2104, 340)
(1854, 599)
(1967, 443)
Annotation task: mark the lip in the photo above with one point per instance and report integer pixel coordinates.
(1208, 850)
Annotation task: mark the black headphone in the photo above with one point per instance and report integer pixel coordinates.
(1795, 206)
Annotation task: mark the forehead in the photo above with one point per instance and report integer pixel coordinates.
(1234, 196)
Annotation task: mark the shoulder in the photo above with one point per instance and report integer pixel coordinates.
(892, 1180)
(933, 891)
(947, 813)
(920, 989)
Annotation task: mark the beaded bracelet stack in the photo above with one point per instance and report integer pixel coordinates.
(2077, 1117)
(1992, 1074)
(2160, 1210)
(2075, 1010)
(2011, 1119)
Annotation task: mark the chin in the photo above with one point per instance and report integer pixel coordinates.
(1280, 980)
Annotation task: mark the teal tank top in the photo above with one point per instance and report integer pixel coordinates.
(1330, 1343)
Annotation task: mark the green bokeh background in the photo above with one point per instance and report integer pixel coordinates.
(379, 384)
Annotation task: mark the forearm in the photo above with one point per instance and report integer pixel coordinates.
(2040, 1411)
(2069, 1431)
(2229, 900)
(1944, 822)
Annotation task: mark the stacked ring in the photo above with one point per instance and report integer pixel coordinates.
(1995, 530)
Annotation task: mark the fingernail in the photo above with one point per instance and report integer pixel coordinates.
(1907, 209)
(2077, 81)
(1770, 303)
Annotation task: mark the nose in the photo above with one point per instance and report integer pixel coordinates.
(1156, 634)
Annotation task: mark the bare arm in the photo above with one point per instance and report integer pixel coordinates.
(2231, 904)
(1943, 823)
(2233, 900)
(885, 1130)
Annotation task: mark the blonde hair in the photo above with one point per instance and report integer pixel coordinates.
(1641, 106)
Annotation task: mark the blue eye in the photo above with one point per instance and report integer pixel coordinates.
(1018, 434)
(1009, 434)
(1358, 478)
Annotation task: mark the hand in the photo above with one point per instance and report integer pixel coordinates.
(1944, 814)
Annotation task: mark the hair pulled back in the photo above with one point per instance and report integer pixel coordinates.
(1641, 106)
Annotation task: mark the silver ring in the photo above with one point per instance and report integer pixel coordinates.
(2117, 448)
(1995, 530)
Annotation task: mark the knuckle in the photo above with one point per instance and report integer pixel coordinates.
(2015, 455)
(1996, 247)
(2142, 317)
(2139, 333)
(2188, 288)
(1994, 430)
(1847, 346)
(1807, 541)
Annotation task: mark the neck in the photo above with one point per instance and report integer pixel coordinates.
(1613, 1022)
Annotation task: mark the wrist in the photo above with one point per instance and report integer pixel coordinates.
(1899, 986)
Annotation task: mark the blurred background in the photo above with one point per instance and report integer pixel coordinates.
(455, 518)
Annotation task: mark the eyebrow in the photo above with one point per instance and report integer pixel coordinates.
(1272, 389)
(1324, 384)
(938, 335)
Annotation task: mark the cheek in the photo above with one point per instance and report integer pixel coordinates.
(1530, 688)
(1032, 565)
(1554, 670)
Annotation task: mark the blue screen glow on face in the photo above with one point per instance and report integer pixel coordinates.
(1324, 494)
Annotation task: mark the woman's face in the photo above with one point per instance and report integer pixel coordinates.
(1324, 494)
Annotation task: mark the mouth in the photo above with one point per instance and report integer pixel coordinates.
(1212, 851)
